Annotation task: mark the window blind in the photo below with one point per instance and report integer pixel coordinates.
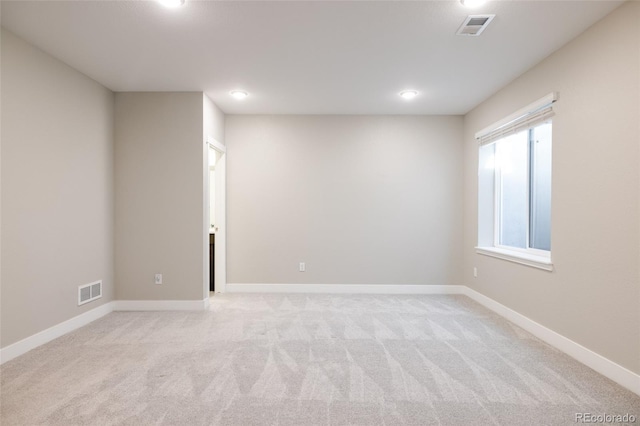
(534, 115)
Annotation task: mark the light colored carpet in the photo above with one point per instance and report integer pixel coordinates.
(305, 360)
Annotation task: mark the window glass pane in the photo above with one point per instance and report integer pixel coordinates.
(486, 191)
(540, 234)
(513, 181)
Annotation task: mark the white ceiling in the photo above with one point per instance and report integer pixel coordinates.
(303, 57)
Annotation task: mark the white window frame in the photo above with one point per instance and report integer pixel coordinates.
(491, 247)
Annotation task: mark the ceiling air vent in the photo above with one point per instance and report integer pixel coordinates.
(474, 25)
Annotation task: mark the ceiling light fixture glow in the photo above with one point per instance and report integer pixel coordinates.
(171, 3)
(473, 3)
(408, 94)
(239, 94)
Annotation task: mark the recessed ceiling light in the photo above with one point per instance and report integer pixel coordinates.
(473, 3)
(171, 3)
(409, 94)
(239, 94)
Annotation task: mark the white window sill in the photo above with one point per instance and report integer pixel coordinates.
(540, 262)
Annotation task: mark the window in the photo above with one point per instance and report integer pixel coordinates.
(514, 191)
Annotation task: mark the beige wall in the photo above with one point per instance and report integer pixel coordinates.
(213, 120)
(360, 199)
(57, 189)
(593, 296)
(159, 195)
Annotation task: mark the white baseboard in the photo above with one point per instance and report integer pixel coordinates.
(602, 365)
(25, 345)
(344, 288)
(161, 305)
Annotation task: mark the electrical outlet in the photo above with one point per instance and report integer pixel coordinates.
(475, 272)
(158, 278)
(302, 267)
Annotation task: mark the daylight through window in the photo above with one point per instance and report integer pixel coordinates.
(514, 199)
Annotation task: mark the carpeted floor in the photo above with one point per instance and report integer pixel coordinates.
(306, 360)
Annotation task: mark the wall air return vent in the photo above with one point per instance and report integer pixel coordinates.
(89, 292)
(474, 25)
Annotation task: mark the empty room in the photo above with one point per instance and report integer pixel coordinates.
(319, 212)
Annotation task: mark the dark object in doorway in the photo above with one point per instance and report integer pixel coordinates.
(212, 269)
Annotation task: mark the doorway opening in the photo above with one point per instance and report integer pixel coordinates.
(215, 218)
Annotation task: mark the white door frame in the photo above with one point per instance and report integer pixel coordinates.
(221, 231)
